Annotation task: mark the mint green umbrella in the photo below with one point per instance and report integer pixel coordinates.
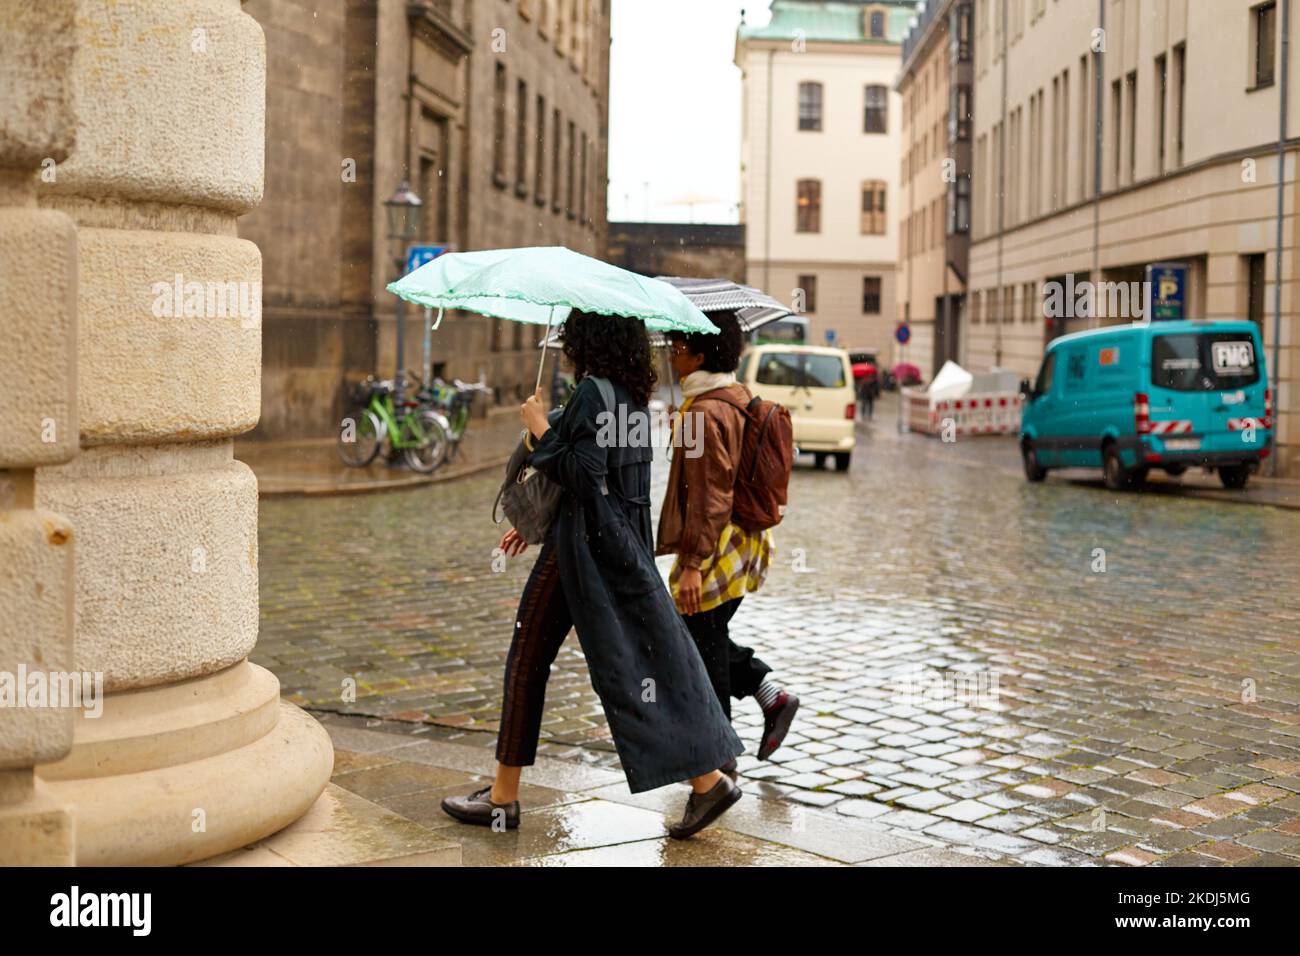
(541, 284)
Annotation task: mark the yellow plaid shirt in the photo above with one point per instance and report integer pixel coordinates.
(737, 566)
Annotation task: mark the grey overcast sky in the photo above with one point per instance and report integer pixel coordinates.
(674, 108)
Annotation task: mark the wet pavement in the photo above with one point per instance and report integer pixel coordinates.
(1044, 674)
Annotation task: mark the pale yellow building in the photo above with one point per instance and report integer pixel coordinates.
(1183, 130)
(819, 158)
(936, 86)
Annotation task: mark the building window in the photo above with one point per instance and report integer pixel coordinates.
(873, 208)
(876, 24)
(810, 107)
(871, 295)
(569, 208)
(1117, 116)
(521, 140)
(1162, 110)
(808, 210)
(959, 114)
(539, 172)
(959, 205)
(1180, 91)
(876, 110)
(499, 128)
(582, 183)
(959, 31)
(1264, 33)
(1132, 83)
(808, 286)
(1255, 289)
(555, 162)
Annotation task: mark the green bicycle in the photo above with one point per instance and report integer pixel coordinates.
(454, 402)
(420, 433)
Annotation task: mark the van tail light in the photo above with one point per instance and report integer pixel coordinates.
(1268, 408)
(851, 411)
(1142, 413)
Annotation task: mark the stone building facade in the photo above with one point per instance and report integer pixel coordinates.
(820, 141)
(131, 322)
(934, 202)
(496, 113)
(1172, 156)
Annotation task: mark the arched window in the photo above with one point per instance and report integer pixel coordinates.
(873, 207)
(808, 206)
(810, 107)
(876, 110)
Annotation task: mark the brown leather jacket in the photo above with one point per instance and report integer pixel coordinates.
(697, 505)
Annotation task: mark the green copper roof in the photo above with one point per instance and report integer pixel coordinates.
(836, 21)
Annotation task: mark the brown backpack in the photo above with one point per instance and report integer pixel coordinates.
(766, 457)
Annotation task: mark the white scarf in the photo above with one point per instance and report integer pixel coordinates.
(700, 381)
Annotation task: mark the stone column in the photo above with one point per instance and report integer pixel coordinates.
(194, 753)
(38, 425)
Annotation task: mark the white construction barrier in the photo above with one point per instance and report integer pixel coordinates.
(959, 403)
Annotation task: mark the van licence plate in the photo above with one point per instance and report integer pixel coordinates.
(1182, 444)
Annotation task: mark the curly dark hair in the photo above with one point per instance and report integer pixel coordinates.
(722, 351)
(613, 347)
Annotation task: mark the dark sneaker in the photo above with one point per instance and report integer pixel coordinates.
(776, 723)
(730, 769)
(479, 809)
(703, 808)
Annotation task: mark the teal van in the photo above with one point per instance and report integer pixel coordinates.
(1169, 395)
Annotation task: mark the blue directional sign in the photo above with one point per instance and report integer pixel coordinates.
(830, 336)
(417, 256)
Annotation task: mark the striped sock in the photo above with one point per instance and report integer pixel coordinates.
(767, 694)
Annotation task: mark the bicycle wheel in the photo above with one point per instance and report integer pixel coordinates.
(432, 450)
(360, 434)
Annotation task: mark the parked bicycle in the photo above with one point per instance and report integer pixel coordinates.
(415, 430)
(455, 403)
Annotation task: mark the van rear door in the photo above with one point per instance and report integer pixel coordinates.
(1207, 389)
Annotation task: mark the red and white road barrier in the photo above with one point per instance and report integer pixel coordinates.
(993, 413)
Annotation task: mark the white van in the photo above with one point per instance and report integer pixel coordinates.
(816, 385)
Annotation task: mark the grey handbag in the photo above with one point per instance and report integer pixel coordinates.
(528, 499)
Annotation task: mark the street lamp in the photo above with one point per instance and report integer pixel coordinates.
(405, 212)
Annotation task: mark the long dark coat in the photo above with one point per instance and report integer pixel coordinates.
(662, 711)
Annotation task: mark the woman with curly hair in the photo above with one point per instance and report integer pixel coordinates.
(596, 573)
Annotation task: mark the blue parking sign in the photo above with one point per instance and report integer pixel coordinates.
(417, 256)
(1167, 285)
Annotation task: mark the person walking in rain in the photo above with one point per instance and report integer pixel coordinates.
(718, 562)
(596, 573)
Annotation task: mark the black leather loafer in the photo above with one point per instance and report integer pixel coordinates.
(479, 810)
(703, 808)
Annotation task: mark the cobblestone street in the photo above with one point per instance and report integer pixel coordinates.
(1051, 674)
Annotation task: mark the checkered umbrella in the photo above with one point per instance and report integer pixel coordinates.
(754, 309)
